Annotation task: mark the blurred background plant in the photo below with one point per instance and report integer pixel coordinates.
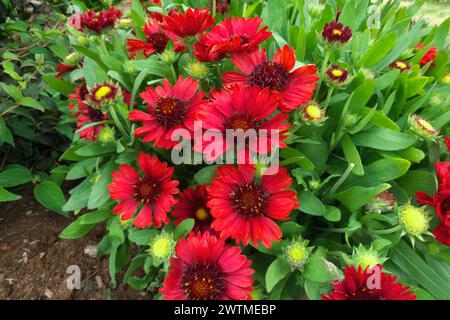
(32, 131)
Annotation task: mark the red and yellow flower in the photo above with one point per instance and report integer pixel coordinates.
(292, 87)
(97, 22)
(205, 268)
(153, 191)
(337, 74)
(245, 207)
(335, 32)
(168, 108)
(242, 108)
(356, 286)
(400, 65)
(231, 36)
(193, 204)
(155, 42)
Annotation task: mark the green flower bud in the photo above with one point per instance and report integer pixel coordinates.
(72, 59)
(422, 127)
(297, 253)
(106, 134)
(168, 56)
(161, 247)
(364, 258)
(415, 221)
(197, 69)
(82, 40)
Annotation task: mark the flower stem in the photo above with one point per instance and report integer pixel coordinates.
(387, 231)
(322, 70)
(341, 180)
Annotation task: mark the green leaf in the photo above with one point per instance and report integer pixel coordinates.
(418, 181)
(204, 175)
(379, 49)
(405, 258)
(62, 86)
(277, 271)
(310, 204)
(183, 229)
(95, 216)
(141, 237)
(30, 102)
(5, 133)
(333, 214)
(357, 196)
(76, 230)
(12, 91)
(361, 96)
(384, 139)
(316, 269)
(291, 229)
(50, 195)
(95, 149)
(100, 193)
(387, 169)
(352, 155)
(14, 176)
(5, 195)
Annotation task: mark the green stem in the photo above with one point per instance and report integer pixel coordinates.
(332, 230)
(327, 101)
(341, 180)
(118, 123)
(387, 231)
(322, 70)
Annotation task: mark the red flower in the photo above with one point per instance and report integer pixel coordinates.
(245, 207)
(337, 74)
(62, 68)
(247, 109)
(192, 204)
(447, 143)
(97, 22)
(400, 65)
(442, 234)
(154, 190)
(357, 285)
(102, 93)
(205, 268)
(86, 114)
(156, 40)
(336, 32)
(440, 201)
(231, 36)
(429, 56)
(188, 24)
(168, 109)
(294, 88)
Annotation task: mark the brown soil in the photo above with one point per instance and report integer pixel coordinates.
(34, 260)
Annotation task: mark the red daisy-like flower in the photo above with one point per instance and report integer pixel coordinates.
(231, 36)
(244, 207)
(97, 22)
(153, 190)
(442, 234)
(102, 93)
(294, 88)
(189, 24)
(429, 56)
(337, 74)
(246, 109)
(86, 114)
(357, 285)
(205, 268)
(336, 32)
(168, 109)
(447, 143)
(192, 204)
(155, 42)
(63, 68)
(400, 65)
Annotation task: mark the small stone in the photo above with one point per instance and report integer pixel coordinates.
(28, 213)
(91, 251)
(99, 281)
(48, 293)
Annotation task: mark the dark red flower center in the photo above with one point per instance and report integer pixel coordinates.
(241, 121)
(271, 75)
(146, 190)
(159, 41)
(169, 111)
(249, 200)
(95, 115)
(365, 293)
(203, 282)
